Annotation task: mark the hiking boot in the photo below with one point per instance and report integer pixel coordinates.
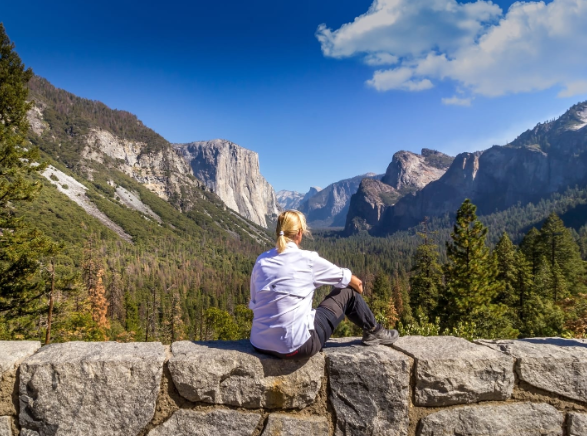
(380, 336)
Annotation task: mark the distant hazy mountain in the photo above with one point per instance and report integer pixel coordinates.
(328, 208)
(292, 199)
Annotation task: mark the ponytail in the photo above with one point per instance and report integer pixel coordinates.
(289, 224)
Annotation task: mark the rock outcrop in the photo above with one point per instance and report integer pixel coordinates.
(542, 161)
(162, 171)
(232, 172)
(329, 207)
(368, 205)
(411, 172)
(233, 373)
(406, 174)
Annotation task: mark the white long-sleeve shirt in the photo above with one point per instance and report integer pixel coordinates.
(282, 287)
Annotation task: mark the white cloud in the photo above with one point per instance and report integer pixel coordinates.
(376, 59)
(399, 78)
(456, 101)
(532, 47)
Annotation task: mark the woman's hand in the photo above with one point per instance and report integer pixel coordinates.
(356, 284)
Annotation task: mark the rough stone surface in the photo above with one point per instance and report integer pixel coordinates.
(233, 373)
(552, 364)
(520, 419)
(215, 422)
(232, 172)
(369, 388)
(451, 370)
(368, 205)
(98, 389)
(280, 424)
(12, 353)
(162, 171)
(577, 424)
(6, 427)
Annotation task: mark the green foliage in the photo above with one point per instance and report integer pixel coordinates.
(426, 279)
(471, 278)
(22, 247)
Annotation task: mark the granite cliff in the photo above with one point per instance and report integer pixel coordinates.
(542, 161)
(407, 173)
(232, 172)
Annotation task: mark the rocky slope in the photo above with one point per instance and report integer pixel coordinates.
(546, 159)
(79, 131)
(116, 170)
(329, 207)
(232, 172)
(293, 199)
(407, 173)
(368, 205)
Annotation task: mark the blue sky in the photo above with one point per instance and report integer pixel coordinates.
(322, 90)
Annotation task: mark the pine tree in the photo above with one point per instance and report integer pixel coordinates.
(471, 278)
(98, 302)
(21, 246)
(504, 254)
(426, 281)
(530, 246)
(562, 252)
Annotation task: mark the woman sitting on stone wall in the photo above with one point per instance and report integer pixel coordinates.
(282, 286)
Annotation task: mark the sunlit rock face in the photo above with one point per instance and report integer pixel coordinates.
(232, 172)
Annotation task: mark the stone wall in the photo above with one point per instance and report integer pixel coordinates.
(427, 386)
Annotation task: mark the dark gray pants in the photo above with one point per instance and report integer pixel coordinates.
(336, 305)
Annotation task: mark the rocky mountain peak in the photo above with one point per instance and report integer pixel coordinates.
(410, 171)
(232, 172)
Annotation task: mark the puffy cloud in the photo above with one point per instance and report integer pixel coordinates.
(399, 78)
(534, 46)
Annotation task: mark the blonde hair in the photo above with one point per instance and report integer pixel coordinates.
(289, 224)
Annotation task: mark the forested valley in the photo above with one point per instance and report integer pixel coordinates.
(65, 276)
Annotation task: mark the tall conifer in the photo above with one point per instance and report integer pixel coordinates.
(471, 277)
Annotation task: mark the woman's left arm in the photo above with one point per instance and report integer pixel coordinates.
(327, 273)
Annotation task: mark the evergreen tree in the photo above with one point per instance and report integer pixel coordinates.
(21, 246)
(426, 281)
(563, 254)
(530, 246)
(471, 278)
(504, 254)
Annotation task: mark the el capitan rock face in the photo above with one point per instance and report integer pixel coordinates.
(232, 172)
